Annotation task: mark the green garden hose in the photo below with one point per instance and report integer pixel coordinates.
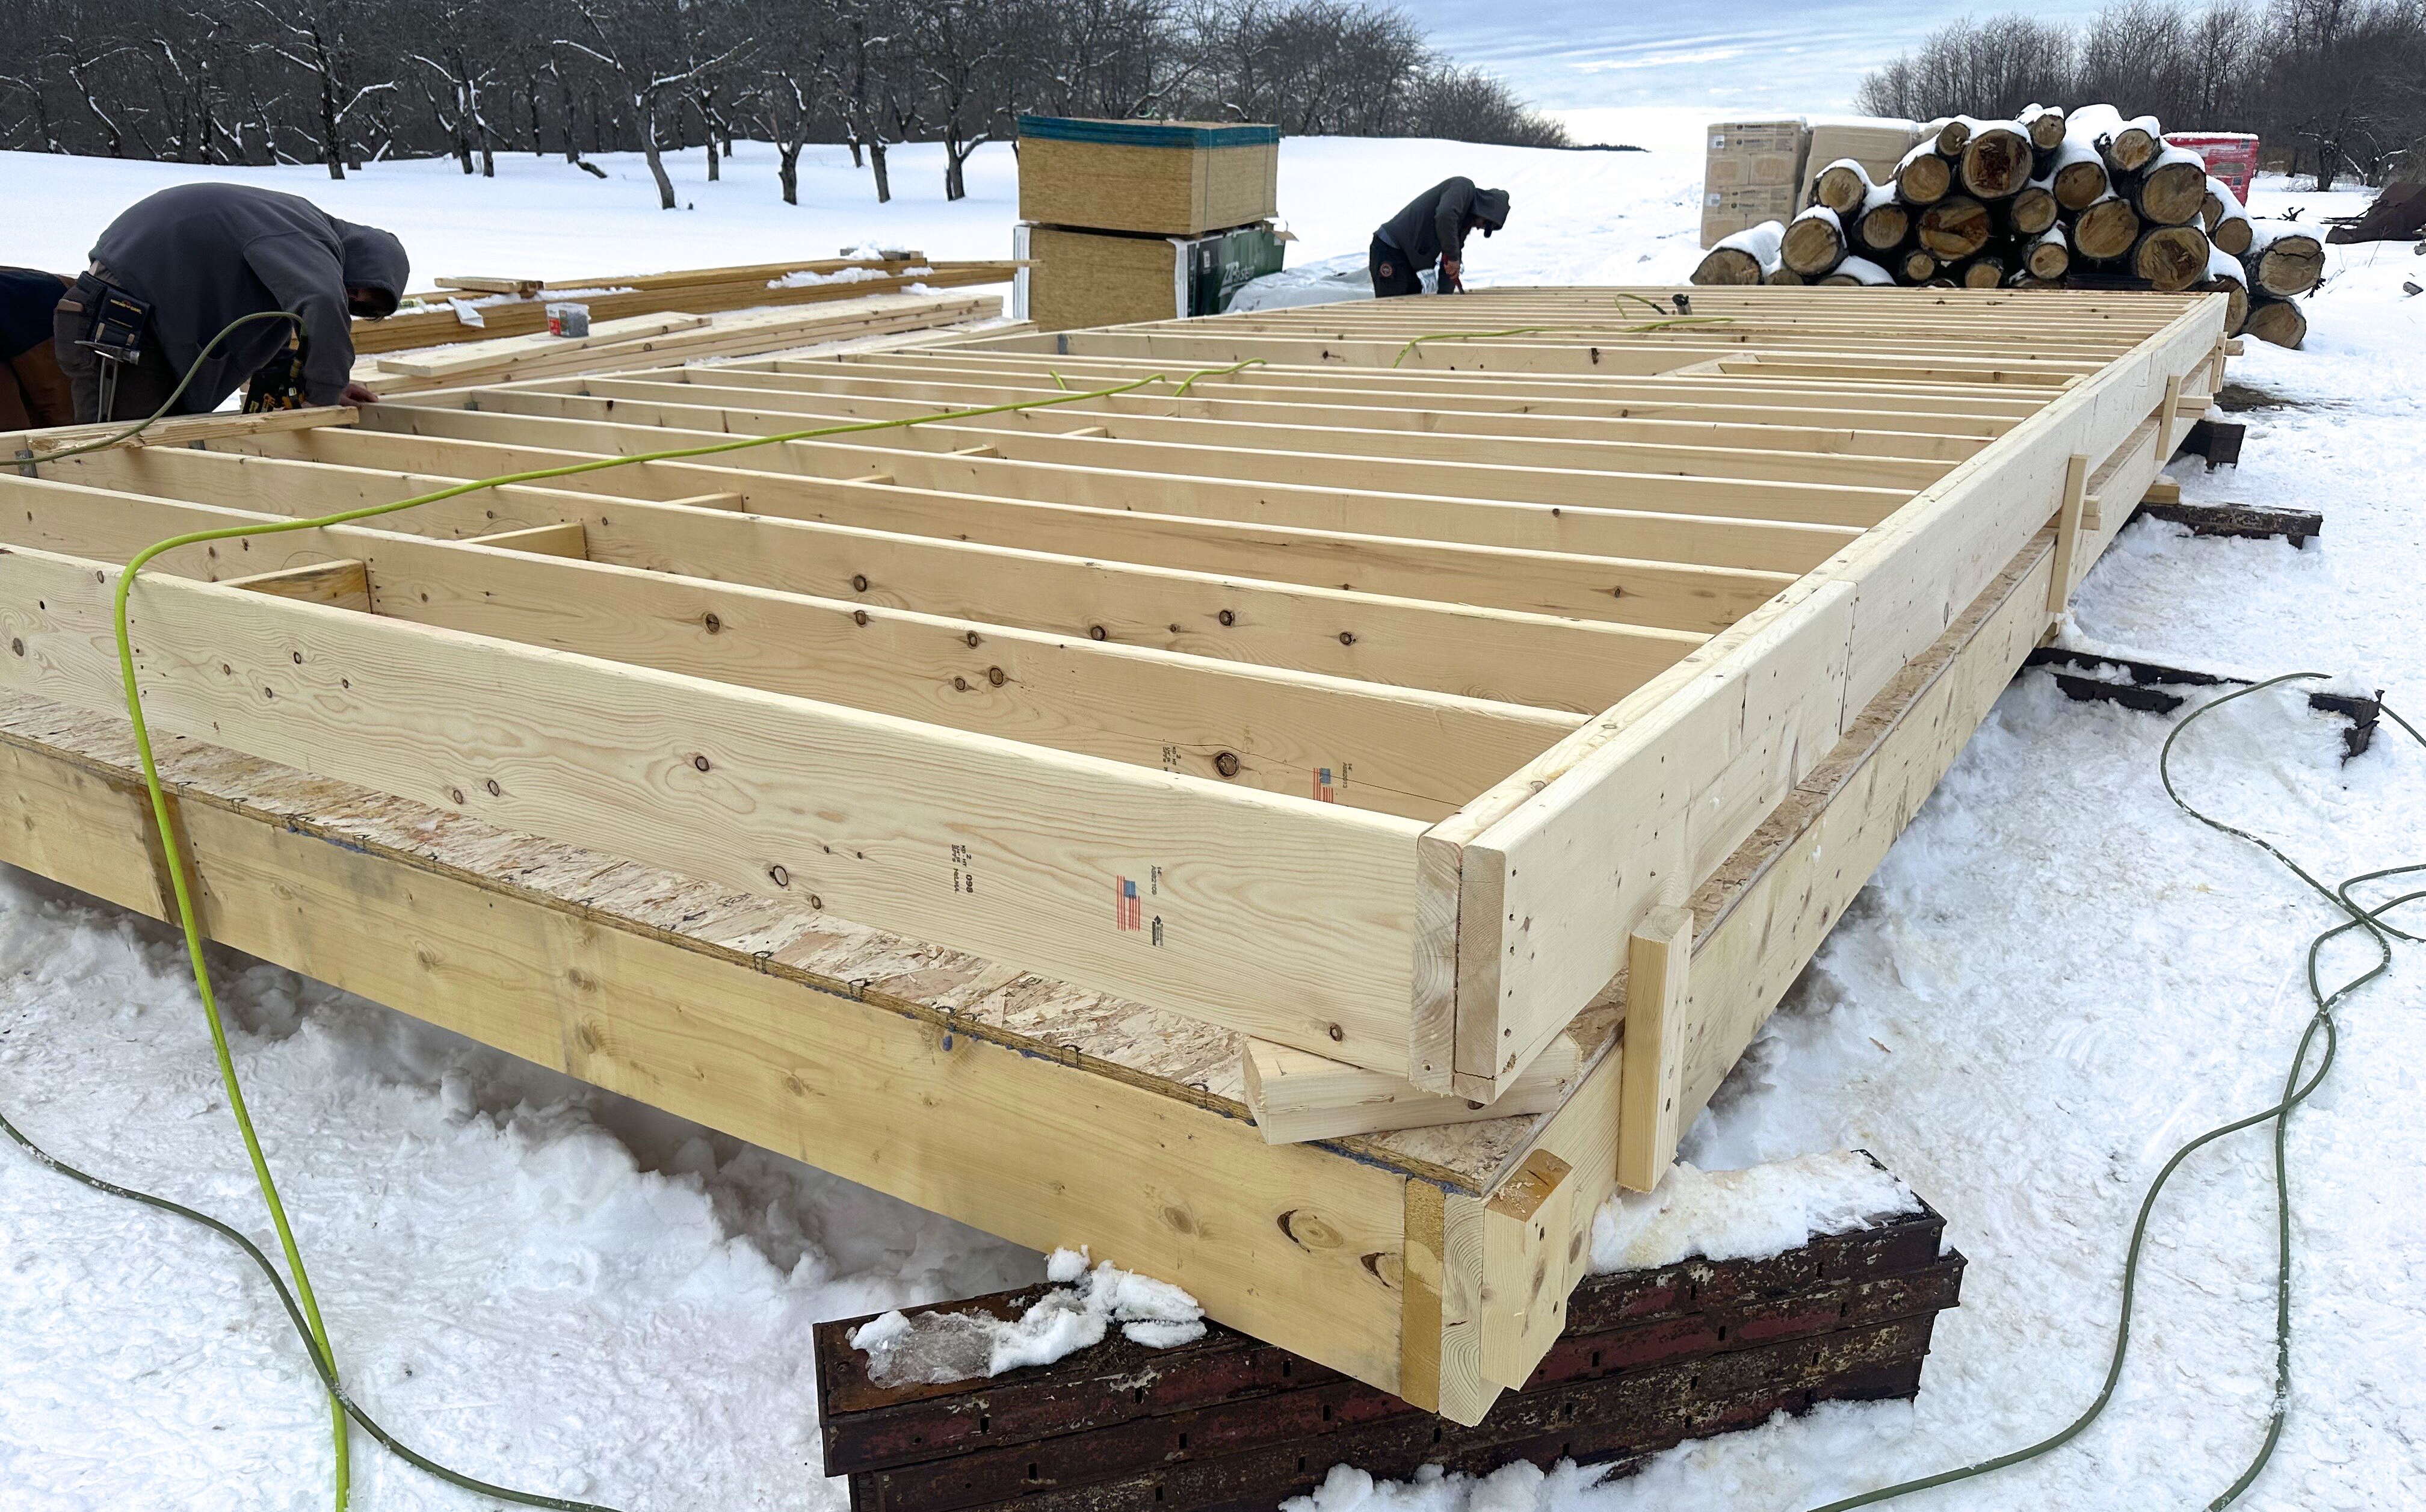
(2295, 1092)
(302, 1305)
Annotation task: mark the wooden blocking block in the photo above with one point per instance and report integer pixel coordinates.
(2067, 531)
(1297, 1095)
(2216, 441)
(2245, 521)
(1531, 1255)
(346, 584)
(1658, 955)
(567, 538)
(1170, 178)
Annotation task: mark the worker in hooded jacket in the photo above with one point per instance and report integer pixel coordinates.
(1433, 228)
(197, 256)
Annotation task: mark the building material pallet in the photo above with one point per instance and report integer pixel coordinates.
(943, 803)
(1649, 1358)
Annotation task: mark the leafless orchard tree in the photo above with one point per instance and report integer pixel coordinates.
(2339, 83)
(342, 82)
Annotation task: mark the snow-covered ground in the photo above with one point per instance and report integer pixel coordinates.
(2054, 978)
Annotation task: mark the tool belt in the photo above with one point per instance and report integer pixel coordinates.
(114, 320)
(278, 383)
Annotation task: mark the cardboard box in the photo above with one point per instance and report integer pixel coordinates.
(1724, 212)
(1166, 178)
(1877, 144)
(1751, 172)
(1084, 278)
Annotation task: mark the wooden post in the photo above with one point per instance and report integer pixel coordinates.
(1656, 1037)
(1531, 1256)
(2067, 529)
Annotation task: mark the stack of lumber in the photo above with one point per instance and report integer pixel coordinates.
(663, 338)
(2085, 200)
(478, 309)
(1648, 1359)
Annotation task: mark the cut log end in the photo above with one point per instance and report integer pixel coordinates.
(1924, 180)
(2034, 210)
(2170, 194)
(1813, 245)
(2048, 259)
(1727, 264)
(1842, 187)
(2080, 183)
(2234, 234)
(2047, 129)
(2106, 231)
(2290, 264)
(1997, 164)
(1954, 228)
(1984, 273)
(2132, 149)
(1883, 228)
(1918, 266)
(2171, 258)
(2278, 321)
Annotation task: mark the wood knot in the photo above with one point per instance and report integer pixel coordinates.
(997, 676)
(1226, 763)
(1309, 1229)
(780, 876)
(700, 762)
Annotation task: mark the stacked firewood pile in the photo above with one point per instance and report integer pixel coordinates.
(2087, 200)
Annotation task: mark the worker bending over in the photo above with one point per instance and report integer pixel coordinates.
(33, 392)
(173, 271)
(1434, 227)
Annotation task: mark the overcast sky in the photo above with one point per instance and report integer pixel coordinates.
(1565, 55)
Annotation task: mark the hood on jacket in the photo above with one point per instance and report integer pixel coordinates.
(1491, 208)
(375, 260)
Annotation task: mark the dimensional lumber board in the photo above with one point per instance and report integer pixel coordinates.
(1417, 736)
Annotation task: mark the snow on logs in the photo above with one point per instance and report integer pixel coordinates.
(2048, 199)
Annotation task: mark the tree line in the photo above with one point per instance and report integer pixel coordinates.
(349, 81)
(2337, 86)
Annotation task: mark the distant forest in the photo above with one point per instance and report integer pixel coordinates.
(2336, 86)
(347, 82)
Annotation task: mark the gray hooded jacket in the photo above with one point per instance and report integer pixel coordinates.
(202, 254)
(1432, 225)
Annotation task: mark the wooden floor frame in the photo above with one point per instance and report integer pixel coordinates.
(1701, 828)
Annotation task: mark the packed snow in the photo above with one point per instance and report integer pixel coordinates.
(1076, 1314)
(2055, 977)
(1751, 1214)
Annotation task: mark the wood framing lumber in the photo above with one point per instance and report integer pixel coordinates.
(1396, 751)
(807, 1040)
(345, 584)
(2068, 532)
(1760, 918)
(566, 538)
(944, 455)
(1297, 1096)
(1137, 878)
(1503, 657)
(177, 430)
(974, 505)
(1555, 865)
(1659, 960)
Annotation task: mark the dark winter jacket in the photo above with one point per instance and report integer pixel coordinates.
(202, 254)
(1433, 224)
(33, 390)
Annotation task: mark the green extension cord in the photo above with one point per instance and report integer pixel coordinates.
(306, 1315)
(2295, 1092)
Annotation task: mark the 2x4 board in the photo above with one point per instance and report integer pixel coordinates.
(989, 809)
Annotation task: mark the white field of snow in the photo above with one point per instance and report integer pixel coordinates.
(2054, 978)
